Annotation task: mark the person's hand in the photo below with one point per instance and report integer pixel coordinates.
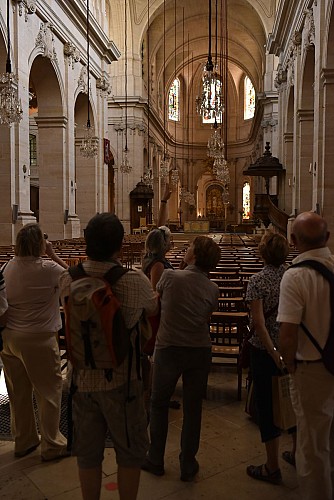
(277, 358)
(167, 193)
(48, 248)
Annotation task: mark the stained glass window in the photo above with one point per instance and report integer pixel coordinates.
(249, 100)
(214, 87)
(246, 201)
(33, 150)
(174, 101)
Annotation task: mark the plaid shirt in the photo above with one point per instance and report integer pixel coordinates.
(135, 293)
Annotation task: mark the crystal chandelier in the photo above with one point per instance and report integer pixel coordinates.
(175, 177)
(10, 104)
(215, 143)
(89, 147)
(125, 166)
(221, 170)
(187, 196)
(210, 103)
(164, 167)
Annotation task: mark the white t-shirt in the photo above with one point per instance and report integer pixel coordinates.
(305, 297)
(33, 294)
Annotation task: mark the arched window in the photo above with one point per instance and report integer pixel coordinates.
(249, 99)
(174, 101)
(215, 89)
(246, 201)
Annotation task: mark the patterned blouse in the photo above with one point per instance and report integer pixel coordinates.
(265, 285)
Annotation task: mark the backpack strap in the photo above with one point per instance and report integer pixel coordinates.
(77, 272)
(115, 273)
(329, 276)
(318, 266)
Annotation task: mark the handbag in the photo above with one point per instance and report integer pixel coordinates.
(283, 414)
(250, 406)
(244, 355)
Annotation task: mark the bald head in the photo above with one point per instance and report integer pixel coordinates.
(309, 231)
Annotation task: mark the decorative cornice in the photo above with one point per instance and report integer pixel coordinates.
(45, 41)
(82, 80)
(26, 6)
(269, 123)
(281, 77)
(327, 76)
(72, 53)
(103, 85)
(309, 29)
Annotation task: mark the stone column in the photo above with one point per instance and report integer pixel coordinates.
(52, 170)
(305, 159)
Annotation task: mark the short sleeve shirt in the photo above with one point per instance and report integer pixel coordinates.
(188, 298)
(265, 286)
(33, 294)
(305, 297)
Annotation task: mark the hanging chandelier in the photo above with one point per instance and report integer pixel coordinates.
(175, 176)
(210, 103)
(125, 166)
(10, 104)
(187, 196)
(164, 167)
(89, 146)
(221, 171)
(215, 143)
(164, 163)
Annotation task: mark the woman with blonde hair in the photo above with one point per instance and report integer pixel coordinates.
(30, 353)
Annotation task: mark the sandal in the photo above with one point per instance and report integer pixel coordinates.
(289, 457)
(261, 472)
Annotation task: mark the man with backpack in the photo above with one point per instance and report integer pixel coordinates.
(305, 316)
(107, 392)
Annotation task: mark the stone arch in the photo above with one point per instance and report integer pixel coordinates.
(85, 178)
(327, 78)
(48, 120)
(288, 141)
(7, 198)
(306, 133)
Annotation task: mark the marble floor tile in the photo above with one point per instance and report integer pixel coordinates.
(229, 442)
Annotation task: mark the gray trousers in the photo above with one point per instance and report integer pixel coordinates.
(193, 364)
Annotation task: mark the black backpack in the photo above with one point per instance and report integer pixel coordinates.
(327, 352)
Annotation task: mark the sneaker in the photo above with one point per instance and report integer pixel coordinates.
(157, 470)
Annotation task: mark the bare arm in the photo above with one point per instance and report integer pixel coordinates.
(156, 272)
(259, 324)
(162, 217)
(50, 252)
(288, 341)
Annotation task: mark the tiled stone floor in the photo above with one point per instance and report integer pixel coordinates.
(229, 442)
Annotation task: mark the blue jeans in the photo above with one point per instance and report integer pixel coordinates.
(193, 363)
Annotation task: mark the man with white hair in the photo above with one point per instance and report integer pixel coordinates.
(305, 298)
